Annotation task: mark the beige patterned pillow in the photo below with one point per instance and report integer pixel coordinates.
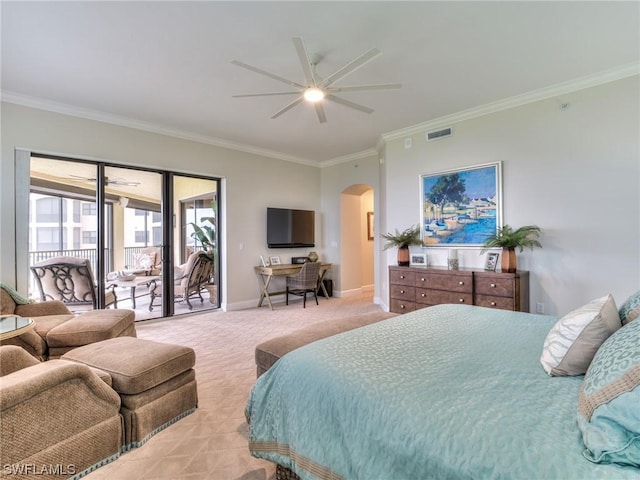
(574, 340)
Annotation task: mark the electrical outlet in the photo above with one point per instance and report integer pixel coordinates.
(539, 307)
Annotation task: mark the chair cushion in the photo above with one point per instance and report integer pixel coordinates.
(90, 327)
(135, 365)
(44, 324)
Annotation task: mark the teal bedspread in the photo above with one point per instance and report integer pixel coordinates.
(447, 392)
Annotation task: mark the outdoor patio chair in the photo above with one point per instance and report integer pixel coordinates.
(70, 280)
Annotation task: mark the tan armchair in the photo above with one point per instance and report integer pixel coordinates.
(56, 413)
(57, 330)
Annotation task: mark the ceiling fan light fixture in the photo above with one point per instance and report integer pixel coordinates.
(313, 94)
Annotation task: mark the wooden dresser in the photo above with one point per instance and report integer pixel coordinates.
(418, 287)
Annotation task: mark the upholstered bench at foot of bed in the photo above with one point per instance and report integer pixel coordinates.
(269, 352)
(156, 382)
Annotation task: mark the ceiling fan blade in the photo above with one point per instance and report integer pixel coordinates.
(362, 88)
(265, 94)
(84, 179)
(347, 103)
(122, 182)
(288, 107)
(304, 61)
(351, 67)
(320, 112)
(268, 74)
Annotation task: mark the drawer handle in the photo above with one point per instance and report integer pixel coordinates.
(461, 300)
(493, 285)
(422, 279)
(461, 283)
(401, 306)
(424, 295)
(402, 291)
(402, 277)
(493, 304)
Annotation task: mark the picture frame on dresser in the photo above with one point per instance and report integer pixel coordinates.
(462, 206)
(418, 259)
(491, 261)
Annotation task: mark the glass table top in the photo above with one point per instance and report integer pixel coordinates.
(12, 326)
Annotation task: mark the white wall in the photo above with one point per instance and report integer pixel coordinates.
(337, 179)
(573, 172)
(250, 184)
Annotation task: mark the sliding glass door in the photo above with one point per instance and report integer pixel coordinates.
(135, 217)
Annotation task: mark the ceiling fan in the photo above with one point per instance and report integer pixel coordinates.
(109, 181)
(316, 89)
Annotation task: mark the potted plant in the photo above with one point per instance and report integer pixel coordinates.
(509, 239)
(402, 241)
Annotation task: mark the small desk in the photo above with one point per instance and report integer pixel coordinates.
(132, 284)
(12, 326)
(267, 273)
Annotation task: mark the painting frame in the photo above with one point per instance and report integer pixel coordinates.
(491, 262)
(418, 259)
(369, 225)
(274, 260)
(461, 207)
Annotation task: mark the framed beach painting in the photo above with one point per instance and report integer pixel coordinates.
(461, 207)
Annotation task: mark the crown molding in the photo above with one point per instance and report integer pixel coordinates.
(349, 158)
(65, 109)
(617, 73)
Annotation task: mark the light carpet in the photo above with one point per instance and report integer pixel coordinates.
(212, 442)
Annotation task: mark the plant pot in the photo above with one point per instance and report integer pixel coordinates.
(403, 256)
(509, 260)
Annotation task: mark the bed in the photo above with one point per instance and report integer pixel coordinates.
(446, 392)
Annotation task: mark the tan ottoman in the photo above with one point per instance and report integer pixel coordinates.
(156, 382)
(90, 327)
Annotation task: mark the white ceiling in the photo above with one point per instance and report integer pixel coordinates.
(166, 66)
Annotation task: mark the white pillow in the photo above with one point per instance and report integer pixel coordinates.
(574, 340)
(144, 261)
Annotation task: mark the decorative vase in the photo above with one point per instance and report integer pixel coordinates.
(403, 256)
(313, 257)
(509, 260)
(452, 260)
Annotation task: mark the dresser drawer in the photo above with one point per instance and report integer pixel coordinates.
(403, 292)
(461, 282)
(503, 303)
(435, 297)
(495, 286)
(400, 306)
(401, 276)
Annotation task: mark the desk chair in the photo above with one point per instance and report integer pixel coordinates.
(306, 280)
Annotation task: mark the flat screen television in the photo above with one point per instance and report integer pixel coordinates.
(289, 228)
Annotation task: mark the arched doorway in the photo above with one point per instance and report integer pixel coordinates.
(356, 240)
